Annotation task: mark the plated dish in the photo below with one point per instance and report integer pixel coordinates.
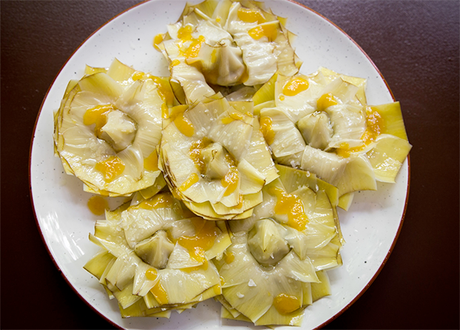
(66, 222)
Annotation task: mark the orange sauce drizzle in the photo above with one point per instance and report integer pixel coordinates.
(191, 180)
(162, 200)
(217, 289)
(185, 35)
(294, 86)
(164, 89)
(325, 101)
(230, 181)
(97, 205)
(270, 31)
(286, 304)
(194, 49)
(151, 274)
(110, 168)
(251, 15)
(234, 115)
(196, 155)
(266, 127)
(183, 124)
(151, 162)
(229, 257)
(137, 75)
(292, 206)
(158, 39)
(159, 293)
(375, 125)
(206, 233)
(98, 116)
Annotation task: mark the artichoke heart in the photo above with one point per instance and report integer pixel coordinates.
(215, 159)
(281, 251)
(321, 123)
(156, 255)
(108, 127)
(226, 44)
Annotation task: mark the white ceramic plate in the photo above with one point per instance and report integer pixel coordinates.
(370, 227)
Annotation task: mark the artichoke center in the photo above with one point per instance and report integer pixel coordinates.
(266, 243)
(111, 125)
(155, 250)
(119, 130)
(212, 159)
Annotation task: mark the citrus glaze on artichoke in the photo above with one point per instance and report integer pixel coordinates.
(235, 165)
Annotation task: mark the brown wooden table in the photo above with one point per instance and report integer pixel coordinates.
(415, 44)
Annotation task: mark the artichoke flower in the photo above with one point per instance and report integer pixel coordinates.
(108, 127)
(215, 159)
(226, 43)
(264, 40)
(276, 265)
(322, 123)
(156, 256)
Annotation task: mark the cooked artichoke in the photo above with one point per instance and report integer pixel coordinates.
(215, 159)
(226, 43)
(108, 127)
(322, 123)
(156, 256)
(277, 254)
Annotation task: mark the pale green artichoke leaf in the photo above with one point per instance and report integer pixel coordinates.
(234, 136)
(288, 140)
(358, 175)
(326, 165)
(97, 264)
(287, 61)
(298, 105)
(266, 242)
(123, 270)
(348, 123)
(119, 71)
(180, 258)
(183, 286)
(258, 155)
(125, 297)
(141, 284)
(192, 81)
(139, 224)
(316, 130)
(115, 248)
(327, 257)
(293, 179)
(102, 85)
(346, 200)
(251, 180)
(321, 289)
(387, 155)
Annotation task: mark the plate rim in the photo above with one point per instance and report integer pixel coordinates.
(332, 318)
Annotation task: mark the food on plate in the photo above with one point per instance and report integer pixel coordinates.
(226, 43)
(215, 158)
(234, 165)
(278, 259)
(108, 127)
(322, 123)
(156, 256)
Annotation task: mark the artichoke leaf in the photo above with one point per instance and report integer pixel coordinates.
(387, 155)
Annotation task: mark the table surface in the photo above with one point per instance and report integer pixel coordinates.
(415, 44)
